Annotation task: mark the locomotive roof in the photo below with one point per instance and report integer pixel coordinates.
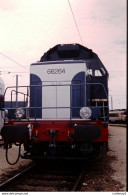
(68, 51)
(74, 52)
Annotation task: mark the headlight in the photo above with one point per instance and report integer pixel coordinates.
(85, 112)
(19, 113)
(6, 114)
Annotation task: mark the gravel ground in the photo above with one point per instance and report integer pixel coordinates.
(5, 168)
(111, 172)
(117, 146)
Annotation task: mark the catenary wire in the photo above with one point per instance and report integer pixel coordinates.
(13, 60)
(75, 22)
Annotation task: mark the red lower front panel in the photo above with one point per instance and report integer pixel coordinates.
(40, 130)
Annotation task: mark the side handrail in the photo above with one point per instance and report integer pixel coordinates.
(19, 93)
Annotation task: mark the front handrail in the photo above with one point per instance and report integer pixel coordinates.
(28, 86)
(57, 107)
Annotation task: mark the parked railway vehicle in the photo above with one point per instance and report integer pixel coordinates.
(66, 113)
(2, 87)
(117, 116)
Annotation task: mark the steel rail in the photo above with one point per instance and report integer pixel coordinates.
(12, 179)
(75, 186)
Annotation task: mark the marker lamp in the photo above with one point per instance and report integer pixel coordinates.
(85, 112)
(19, 113)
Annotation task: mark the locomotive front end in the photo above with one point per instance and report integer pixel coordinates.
(65, 109)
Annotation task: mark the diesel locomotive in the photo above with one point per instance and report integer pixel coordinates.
(64, 112)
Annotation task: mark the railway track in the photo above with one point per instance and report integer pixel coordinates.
(55, 178)
(10, 181)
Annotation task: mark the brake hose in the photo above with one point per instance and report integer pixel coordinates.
(17, 157)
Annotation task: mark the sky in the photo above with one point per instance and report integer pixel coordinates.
(29, 28)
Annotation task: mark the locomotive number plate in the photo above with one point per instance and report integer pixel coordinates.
(56, 71)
